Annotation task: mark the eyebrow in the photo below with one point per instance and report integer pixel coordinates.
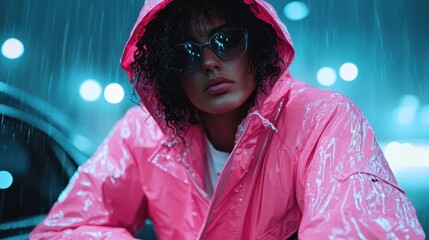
(212, 31)
(218, 28)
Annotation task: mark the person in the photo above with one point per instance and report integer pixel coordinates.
(226, 144)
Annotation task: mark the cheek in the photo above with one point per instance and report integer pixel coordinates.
(249, 77)
(188, 87)
(246, 66)
(251, 82)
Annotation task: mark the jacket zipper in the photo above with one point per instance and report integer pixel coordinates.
(190, 174)
(221, 184)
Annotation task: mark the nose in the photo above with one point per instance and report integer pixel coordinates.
(210, 62)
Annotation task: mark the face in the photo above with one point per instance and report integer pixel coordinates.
(217, 86)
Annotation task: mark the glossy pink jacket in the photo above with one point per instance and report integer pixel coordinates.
(305, 160)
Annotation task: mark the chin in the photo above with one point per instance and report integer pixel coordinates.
(224, 108)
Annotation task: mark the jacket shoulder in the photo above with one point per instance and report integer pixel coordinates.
(137, 128)
(305, 95)
(309, 106)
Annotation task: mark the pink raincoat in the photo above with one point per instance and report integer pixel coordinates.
(305, 160)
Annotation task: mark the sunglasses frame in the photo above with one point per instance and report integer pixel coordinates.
(200, 46)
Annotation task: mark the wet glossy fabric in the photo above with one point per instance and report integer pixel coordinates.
(305, 160)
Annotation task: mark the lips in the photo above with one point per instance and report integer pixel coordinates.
(218, 85)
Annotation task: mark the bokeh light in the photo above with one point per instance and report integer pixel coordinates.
(424, 115)
(410, 101)
(404, 155)
(6, 179)
(405, 114)
(348, 71)
(326, 76)
(296, 10)
(114, 93)
(90, 90)
(12, 48)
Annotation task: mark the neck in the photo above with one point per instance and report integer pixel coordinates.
(221, 128)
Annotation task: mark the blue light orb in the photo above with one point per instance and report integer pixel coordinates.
(296, 10)
(6, 179)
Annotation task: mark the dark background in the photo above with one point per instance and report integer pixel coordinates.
(67, 42)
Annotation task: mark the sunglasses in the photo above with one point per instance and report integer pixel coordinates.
(227, 43)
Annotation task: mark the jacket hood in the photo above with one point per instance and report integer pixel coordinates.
(261, 9)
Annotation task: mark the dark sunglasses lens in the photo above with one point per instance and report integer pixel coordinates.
(184, 57)
(229, 43)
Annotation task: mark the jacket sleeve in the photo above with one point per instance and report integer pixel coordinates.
(104, 198)
(345, 187)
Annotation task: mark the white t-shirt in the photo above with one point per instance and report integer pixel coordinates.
(215, 161)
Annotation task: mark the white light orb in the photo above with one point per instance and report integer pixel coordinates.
(90, 90)
(401, 156)
(114, 93)
(348, 71)
(326, 76)
(12, 48)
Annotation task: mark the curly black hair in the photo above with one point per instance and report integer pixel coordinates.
(172, 26)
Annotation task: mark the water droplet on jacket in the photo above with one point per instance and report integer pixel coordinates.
(239, 188)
